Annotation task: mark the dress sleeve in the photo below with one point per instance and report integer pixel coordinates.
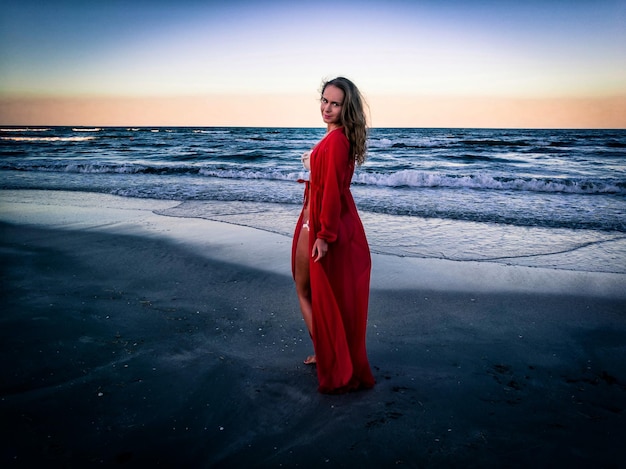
(334, 169)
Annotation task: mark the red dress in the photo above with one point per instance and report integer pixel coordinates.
(340, 280)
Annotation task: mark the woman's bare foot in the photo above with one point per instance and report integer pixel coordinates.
(310, 360)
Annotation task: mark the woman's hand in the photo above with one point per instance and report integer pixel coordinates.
(320, 248)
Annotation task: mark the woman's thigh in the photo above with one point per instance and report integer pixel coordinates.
(302, 260)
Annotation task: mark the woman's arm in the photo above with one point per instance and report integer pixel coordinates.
(334, 167)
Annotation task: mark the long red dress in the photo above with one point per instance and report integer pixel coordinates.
(340, 280)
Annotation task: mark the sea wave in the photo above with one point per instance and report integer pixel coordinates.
(426, 142)
(496, 143)
(398, 179)
(47, 139)
(211, 131)
(276, 175)
(25, 130)
(411, 178)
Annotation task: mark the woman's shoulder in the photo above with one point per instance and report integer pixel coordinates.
(337, 136)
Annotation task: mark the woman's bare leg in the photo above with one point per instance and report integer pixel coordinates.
(303, 283)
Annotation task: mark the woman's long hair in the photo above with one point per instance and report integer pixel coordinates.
(352, 117)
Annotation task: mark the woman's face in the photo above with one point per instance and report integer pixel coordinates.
(331, 103)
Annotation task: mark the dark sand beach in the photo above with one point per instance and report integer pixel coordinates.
(136, 350)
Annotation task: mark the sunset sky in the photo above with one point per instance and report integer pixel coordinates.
(439, 63)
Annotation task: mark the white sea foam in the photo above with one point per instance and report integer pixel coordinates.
(405, 178)
(47, 139)
(411, 178)
(24, 130)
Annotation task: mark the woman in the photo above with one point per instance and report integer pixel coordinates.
(330, 256)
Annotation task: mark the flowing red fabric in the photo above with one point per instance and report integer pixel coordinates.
(340, 280)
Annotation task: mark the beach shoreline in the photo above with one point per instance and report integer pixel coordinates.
(262, 249)
(134, 338)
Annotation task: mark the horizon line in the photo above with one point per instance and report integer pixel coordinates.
(5, 127)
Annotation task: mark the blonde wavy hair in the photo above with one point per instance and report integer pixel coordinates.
(352, 117)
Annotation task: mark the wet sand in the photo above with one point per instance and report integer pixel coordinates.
(144, 341)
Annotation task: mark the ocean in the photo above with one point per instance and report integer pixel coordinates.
(539, 198)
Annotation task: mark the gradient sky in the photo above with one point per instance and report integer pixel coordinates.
(419, 63)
